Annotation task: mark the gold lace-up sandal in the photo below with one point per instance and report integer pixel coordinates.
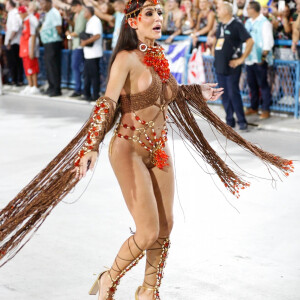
(156, 261)
(145, 288)
(95, 287)
(128, 257)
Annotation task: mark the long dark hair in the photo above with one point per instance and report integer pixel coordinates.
(128, 39)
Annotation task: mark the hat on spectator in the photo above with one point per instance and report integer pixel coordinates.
(22, 9)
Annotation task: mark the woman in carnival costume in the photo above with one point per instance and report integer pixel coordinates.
(140, 91)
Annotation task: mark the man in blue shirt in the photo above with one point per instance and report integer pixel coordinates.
(257, 62)
(51, 37)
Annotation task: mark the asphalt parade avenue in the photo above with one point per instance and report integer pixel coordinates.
(229, 249)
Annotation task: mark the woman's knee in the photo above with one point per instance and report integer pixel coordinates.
(166, 227)
(147, 238)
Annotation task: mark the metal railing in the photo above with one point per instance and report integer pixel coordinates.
(283, 78)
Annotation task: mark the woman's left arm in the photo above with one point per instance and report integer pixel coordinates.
(209, 92)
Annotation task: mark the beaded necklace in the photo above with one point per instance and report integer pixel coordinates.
(154, 57)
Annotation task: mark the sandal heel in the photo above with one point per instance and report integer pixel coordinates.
(137, 293)
(95, 287)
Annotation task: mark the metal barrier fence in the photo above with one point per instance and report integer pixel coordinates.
(283, 77)
(67, 77)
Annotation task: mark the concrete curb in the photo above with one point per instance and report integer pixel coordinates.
(58, 99)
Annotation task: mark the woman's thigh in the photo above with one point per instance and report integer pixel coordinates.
(137, 189)
(163, 186)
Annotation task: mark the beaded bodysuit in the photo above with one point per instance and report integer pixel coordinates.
(158, 94)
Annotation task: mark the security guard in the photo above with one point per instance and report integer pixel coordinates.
(231, 34)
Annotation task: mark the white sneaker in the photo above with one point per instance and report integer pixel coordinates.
(34, 91)
(26, 90)
(287, 100)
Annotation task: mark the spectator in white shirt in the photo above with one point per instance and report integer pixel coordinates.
(92, 50)
(12, 43)
(260, 57)
(119, 6)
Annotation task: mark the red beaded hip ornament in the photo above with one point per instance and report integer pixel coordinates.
(158, 156)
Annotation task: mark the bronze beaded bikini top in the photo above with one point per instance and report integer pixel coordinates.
(149, 97)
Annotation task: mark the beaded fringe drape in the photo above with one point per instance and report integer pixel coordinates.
(29, 209)
(189, 101)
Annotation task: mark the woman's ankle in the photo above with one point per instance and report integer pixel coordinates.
(146, 290)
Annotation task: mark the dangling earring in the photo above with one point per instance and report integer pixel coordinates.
(143, 47)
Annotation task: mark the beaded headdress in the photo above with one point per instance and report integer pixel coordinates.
(133, 14)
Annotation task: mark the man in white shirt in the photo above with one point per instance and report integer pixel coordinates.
(12, 43)
(92, 50)
(260, 57)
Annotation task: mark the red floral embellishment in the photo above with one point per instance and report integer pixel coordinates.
(160, 158)
(154, 57)
(96, 126)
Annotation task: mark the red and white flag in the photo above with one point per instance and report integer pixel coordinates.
(196, 68)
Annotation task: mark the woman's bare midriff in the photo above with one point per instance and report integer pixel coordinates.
(121, 148)
(123, 151)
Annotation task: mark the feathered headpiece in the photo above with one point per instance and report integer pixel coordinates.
(133, 13)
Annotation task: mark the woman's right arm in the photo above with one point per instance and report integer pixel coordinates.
(118, 74)
(103, 114)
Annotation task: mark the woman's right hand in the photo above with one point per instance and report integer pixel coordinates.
(87, 162)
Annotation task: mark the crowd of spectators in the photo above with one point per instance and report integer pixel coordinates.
(76, 25)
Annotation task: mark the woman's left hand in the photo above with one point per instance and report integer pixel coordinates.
(210, 93)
